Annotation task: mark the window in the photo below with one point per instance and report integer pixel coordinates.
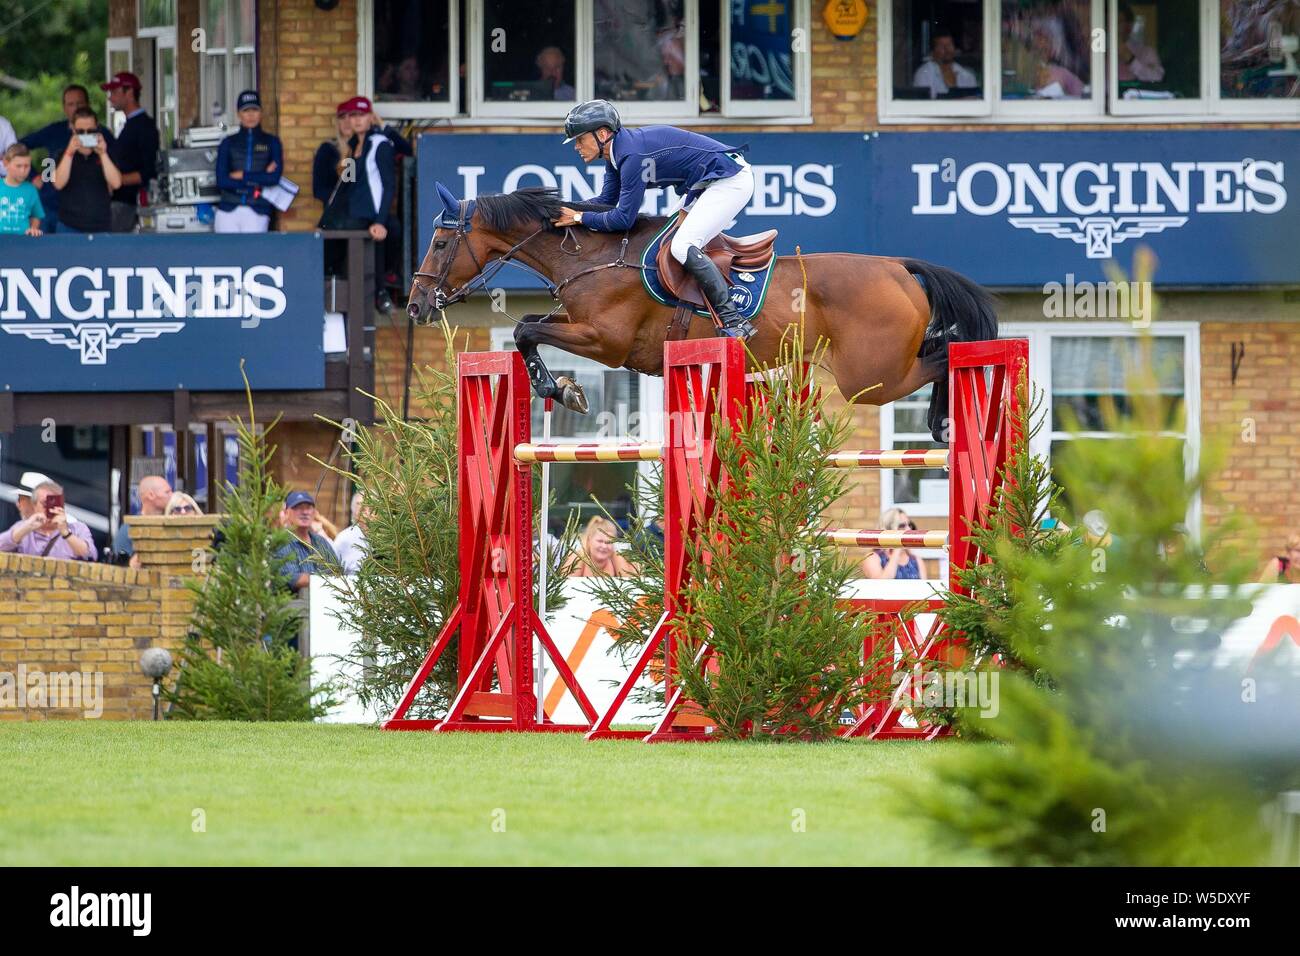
(229, 61)
(643, 55)
(414, 46)
(1079, 368)
(155, 16)
(528, 58)
(1085, 59)
(1082, 367)
(117, 59)
(165, 71)
(674, 60)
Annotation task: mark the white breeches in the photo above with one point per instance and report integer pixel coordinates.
(719, 204)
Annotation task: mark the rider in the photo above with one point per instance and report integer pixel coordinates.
(717, 181)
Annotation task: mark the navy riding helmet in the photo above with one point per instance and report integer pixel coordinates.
(589, 117)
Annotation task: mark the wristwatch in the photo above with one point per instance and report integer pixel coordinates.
(66, 535)
(577, 217)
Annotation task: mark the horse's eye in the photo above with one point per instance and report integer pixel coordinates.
(440, 244)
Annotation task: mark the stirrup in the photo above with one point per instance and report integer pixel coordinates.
(738, 328)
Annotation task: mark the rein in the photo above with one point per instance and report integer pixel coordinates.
(441, 300)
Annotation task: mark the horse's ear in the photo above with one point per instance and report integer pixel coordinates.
(448, 198)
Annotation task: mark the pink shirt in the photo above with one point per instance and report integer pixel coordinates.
(35, 542)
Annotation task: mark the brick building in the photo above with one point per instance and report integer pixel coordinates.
(1015, 93)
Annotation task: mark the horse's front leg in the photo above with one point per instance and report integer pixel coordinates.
(544, 383)
(561, 332)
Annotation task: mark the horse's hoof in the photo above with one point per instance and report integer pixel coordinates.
(571, 395)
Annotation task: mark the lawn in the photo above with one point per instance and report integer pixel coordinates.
(106, 793)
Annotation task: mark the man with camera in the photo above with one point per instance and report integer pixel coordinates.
(48, 532)
(86, 177)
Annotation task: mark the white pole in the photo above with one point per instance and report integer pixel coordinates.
(541, 576)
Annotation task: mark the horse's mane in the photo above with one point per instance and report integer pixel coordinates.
(531, 205)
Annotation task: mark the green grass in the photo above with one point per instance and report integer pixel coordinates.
(124, 793)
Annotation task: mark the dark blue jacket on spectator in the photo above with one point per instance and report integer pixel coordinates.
(54, 140)
(251, 151)
(136, 151)
(368, 199)
(656, 157)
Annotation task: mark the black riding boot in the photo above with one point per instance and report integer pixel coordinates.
(716, 290)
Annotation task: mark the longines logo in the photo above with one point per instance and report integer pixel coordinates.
(93, 311)
(1107, 203)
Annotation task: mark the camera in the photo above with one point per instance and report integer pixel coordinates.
(89, 140)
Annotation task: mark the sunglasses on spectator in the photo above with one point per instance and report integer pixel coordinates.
(906, 526)
(184, 510)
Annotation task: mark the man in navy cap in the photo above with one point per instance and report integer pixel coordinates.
(247, 162)
(308, 553)
(134, 152)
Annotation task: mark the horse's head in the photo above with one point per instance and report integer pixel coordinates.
(451, 260)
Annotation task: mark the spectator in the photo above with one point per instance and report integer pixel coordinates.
(7, 139)
(181, 505)
(941, 72)
(23, 497)
(247, 162)
(20, 204)
(1137, 61)
(355, 178)
(308, 553)
(154, 493)
(135, 151)
(53, 138)
(350, 544)
(550, 72)
(898, 564)
(86, 177)
(595, 555)
(48, 532)
(1053, 80)
(1285, 568)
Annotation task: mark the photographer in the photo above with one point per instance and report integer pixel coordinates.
(86, 177)
(48, 532)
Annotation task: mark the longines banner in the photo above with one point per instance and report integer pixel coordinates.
(156, 313)
(1008, 209)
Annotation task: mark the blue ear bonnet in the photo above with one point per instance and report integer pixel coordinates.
(449, 217)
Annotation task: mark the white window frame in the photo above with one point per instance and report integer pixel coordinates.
(1103, 108)
(800, 70)
(116, 45)
(912, 110)
(582, 70)
(366, 68)
(635, 110)
(685, 111)
(1040, 337)
(166, 41)
(143, 32)
(205, 93)
(1083, 110)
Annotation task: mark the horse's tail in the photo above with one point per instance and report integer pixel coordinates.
(960, 311)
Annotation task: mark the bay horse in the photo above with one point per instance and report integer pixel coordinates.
(885, 323)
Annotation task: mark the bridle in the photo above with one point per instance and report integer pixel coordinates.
(436, 297)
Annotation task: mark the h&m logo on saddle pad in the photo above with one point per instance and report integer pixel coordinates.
(748, 286)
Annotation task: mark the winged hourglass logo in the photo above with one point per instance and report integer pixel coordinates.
(1097, 234)
(92, 339)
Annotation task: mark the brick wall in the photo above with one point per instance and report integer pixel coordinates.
(308, 64)
(1259, 474)
(73, 616)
